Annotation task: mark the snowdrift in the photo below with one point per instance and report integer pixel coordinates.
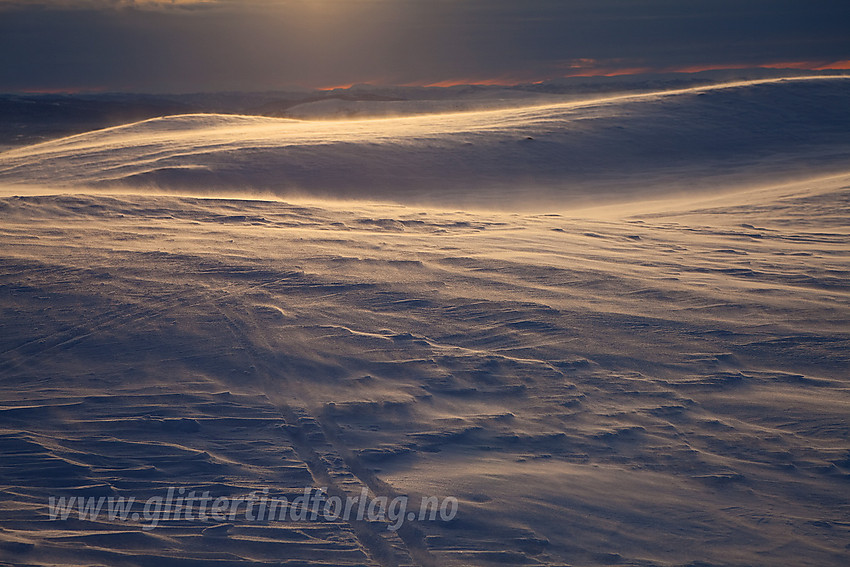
(620, 147)
(668, 388)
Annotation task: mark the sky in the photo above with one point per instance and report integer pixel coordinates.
(259, 45)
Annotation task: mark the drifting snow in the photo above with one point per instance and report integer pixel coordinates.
(556, 154)
(658, 384)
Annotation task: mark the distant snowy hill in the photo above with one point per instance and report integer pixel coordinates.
(564, 152)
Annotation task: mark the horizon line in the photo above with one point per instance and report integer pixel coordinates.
(503, 81)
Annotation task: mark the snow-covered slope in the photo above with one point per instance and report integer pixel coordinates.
(658, 383)
(666, 388)
(559, 153)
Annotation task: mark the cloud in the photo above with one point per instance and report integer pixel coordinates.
(205, 45)
(105, 4)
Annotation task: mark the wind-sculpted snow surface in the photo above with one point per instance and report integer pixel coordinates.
(661, 383)
(658, 388)
(564, 153)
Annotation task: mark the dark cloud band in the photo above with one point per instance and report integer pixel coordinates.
(255, 45)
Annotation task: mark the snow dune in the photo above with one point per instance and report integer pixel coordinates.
(566, 153)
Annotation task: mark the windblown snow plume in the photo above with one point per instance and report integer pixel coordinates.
(633, 145)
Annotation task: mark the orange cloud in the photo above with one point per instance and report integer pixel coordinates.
(335, 87)
(836, 66)
(595, 68)
(800, 65)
